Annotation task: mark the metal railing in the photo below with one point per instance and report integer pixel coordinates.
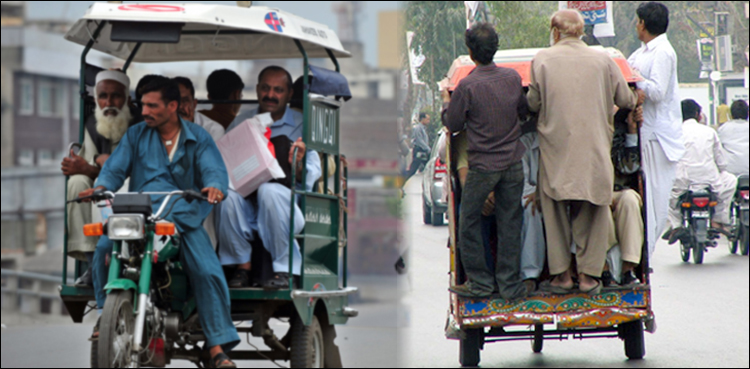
(29, 299)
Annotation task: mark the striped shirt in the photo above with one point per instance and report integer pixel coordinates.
(488, 104)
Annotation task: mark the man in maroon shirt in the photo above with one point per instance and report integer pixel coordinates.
(488, 104)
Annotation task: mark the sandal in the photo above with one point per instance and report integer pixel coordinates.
(280, 281)
(595, 290)
(546, 286)
(219, 362)
(241, 279)
(95, 335)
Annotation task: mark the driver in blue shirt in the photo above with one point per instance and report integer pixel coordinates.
(164, 154)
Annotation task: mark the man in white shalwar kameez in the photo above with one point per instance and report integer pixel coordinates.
(703, 163)
(661, 134)
(735, 138)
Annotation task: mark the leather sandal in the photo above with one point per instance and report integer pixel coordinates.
(219, 362)
(241, 279)
(95, 335)
(280, 281)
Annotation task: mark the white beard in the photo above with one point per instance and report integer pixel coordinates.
(112, 127)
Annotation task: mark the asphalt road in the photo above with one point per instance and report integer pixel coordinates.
(369, 340)
(702, 312)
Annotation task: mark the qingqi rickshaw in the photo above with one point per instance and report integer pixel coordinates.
(150, 317)
(614, 313)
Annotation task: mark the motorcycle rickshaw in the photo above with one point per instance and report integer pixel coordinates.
(150, 317)
(615, 312)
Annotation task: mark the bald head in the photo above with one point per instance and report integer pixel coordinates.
(568, 22)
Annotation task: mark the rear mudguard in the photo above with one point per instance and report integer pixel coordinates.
(700, 229)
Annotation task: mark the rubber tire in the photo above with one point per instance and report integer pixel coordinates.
(437, 219)
(538, 342)
(698, 253)
(333, 354)
(735, 243)
(469, 355)
(685, 252)
(632, 335)
(744, 247)
(116, 301)
(94, 354)
(303, 344)
(426, 213)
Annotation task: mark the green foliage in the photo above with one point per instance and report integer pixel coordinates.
(439, 28)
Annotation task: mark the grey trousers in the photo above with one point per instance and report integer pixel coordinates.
(508, 188)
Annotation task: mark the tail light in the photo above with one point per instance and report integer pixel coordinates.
(440, 169)
(745, 195)
(701, 202)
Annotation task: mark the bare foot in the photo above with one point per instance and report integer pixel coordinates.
(563, 281)
(586, 283)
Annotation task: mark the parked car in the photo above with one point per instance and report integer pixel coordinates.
(434, 205)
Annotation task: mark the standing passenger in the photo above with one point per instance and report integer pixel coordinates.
(576, 176)
(487, 104)
(661, 134)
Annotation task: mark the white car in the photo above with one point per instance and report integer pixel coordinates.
(434, 206)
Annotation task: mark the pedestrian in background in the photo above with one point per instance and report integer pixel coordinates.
(421, 151)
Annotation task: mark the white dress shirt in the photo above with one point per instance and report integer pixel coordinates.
(662, 110)
(212, 127)
(704, 158)
(735, 138)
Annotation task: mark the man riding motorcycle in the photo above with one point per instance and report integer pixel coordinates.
(163, 154)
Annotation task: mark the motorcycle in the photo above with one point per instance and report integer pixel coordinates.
(149, 308)
(739, 215)
(696, 235)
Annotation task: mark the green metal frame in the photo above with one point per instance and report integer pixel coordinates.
(333, 305)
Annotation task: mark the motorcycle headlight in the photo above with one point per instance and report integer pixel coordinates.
(126, 227)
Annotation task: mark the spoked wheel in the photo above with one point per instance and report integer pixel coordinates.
(308, 345)
(469, 355)
(685, 251)
(538, 342)
(116, 329)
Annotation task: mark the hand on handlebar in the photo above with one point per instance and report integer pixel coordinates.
(214, 196)
(86, 196)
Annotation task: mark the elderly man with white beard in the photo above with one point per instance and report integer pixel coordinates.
(103, 132)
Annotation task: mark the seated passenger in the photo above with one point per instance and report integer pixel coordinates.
(222, 85)
(154, 154)
(626, 202)
(188, 103)
(103, 132)
(703, 163)
(239, 218)
(735, 138)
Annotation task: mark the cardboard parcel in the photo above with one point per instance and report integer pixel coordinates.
(247, 156)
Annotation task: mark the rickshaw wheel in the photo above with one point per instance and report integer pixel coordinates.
(94, 354)
(685, 252)
(735, 242)
(538, 342)
(469, 355)
(116, 331)
(308, 345)
(632, 334)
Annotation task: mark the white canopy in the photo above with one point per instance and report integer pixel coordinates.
(210, 32)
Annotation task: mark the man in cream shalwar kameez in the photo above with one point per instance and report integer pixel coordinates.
(574, 89)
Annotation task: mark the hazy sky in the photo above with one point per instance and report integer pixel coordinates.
(318, 11)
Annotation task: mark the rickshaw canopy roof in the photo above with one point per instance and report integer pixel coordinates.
(197, 32)
(520, 60)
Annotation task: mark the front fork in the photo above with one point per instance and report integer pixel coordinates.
(144, 289)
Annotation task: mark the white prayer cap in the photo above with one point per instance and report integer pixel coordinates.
(114, 75)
